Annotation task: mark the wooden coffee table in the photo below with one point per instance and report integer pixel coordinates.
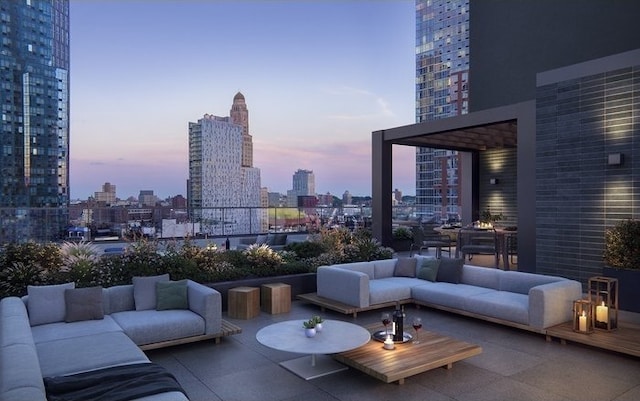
(407, 359)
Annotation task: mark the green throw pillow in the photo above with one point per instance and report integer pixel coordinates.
(171, 295)
(429, 269)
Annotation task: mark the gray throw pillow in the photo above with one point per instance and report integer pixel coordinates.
(46, 303)
(450, 270)
(429, 269)
(280, 239)
(172, 295)
(405, 267)
(271, 239)
(83, 304)
(144, 291)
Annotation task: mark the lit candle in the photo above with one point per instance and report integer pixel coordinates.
(582, 324)
(602, 313)
(388, 343)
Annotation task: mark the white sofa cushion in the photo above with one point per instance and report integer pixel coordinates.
(384, 268)
(46, 303)
(61, 357)
(144, 291)
(446, 294)
(390, 289)
(504, 305)
(151, 326)
(60, 330)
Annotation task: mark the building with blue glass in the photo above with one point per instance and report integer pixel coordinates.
(34, 98)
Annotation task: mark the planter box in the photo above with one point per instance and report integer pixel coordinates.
(628, 285)
(300, 284)
(401, 245)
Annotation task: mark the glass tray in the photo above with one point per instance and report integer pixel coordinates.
(382, 335)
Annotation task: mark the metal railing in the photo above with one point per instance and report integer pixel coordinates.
(102, 223)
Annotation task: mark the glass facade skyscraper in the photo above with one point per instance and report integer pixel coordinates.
(34, 153)
(442, 76)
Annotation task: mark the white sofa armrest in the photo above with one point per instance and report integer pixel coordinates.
(206, 302)
(342, 285)
(551, 304)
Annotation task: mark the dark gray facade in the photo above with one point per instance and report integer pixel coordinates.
(567, 74)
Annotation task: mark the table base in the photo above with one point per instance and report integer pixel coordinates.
(313, 366)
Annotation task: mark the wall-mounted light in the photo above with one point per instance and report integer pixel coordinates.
(615, 159)
(493, 181)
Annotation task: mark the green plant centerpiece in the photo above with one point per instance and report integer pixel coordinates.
(309, 327)
(488, 219)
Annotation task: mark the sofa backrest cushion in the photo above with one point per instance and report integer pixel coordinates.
(364, 267)
(83, 304)
(521, 282)
(405, 267)
(428, 269)
(450, 270)
(144, 291)
(481, 277)
(46, 303)
(384, 268)
(120, 298)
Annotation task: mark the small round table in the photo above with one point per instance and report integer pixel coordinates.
(336, 336)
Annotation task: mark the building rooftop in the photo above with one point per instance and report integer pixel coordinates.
(514, 365)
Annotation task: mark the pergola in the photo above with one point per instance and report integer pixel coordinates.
(510, 126)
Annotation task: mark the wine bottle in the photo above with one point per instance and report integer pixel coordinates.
(227, 244)
(398, 324)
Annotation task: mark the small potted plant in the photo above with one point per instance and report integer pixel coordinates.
(318, 320)
(309, 327)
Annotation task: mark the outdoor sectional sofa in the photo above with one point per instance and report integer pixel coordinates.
(276, 241)
(61, 333)
(529, 301)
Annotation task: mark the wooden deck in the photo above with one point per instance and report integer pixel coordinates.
(626, 339)
(228, 329)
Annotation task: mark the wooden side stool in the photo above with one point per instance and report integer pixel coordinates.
(276, 298)
(244, 302)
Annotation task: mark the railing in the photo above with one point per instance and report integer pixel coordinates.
(79, 222)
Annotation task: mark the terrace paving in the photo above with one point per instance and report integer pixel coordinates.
(514, 365)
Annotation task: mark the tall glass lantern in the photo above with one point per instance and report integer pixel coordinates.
(603, 293)
(583, 316)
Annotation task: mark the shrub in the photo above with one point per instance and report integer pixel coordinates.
(622, 245)
(306, 249)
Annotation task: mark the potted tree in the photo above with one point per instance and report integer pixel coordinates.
(402, 238)
(622, 261)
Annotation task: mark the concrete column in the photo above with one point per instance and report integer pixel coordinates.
(381, 186)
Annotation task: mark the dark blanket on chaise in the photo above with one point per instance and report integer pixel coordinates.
(117, 383)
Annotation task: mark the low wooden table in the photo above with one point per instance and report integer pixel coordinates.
(408, 359)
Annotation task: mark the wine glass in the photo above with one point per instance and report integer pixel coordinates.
(386, 319)
(417, 325)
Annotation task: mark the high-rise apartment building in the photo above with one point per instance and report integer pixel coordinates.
(304, 184)
(34, 102)
(220, 184)
(442, 77)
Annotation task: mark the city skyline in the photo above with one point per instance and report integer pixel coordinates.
(318, 79)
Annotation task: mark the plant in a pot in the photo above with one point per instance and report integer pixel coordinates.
(622, 261)
(309, 328)
(402, 238)
(318, 320)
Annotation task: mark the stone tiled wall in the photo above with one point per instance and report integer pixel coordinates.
(580, 121)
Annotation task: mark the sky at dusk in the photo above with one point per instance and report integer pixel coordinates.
(318, 77)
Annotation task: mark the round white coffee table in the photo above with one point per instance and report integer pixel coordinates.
(336, 336)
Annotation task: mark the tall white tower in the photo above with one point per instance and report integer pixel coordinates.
(220, 186)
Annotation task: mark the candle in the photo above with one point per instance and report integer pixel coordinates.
(582, 324)
(388, 343)
(602, 313)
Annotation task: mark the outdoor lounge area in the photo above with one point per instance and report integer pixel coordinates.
(513, 364)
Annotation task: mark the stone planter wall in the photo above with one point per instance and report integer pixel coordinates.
(628, 287)
(300, 284)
